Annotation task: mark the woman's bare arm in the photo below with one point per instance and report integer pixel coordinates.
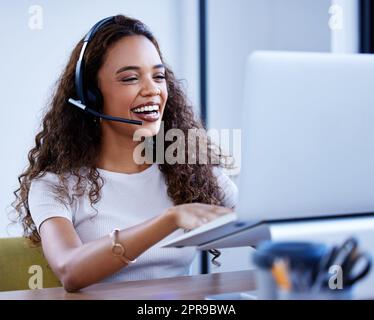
(78, 265)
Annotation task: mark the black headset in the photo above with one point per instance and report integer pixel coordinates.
(92, 96)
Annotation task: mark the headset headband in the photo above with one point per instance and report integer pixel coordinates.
(80, 66)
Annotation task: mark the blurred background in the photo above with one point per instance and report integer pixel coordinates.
(206, 42)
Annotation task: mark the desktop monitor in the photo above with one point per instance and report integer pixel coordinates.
(308, 136)
(307, 145)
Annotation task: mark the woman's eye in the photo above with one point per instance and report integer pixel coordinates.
(160, 77)
(128, 79)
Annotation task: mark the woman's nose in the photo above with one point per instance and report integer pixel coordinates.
(151, 91)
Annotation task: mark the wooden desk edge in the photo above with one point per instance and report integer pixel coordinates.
(179, 288)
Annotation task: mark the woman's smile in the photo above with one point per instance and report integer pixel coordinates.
(149, 111)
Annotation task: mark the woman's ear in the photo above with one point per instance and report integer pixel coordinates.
(95, 99)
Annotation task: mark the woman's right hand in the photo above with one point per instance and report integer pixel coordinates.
(192, 215)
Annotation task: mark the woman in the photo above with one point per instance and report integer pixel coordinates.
(97, 212)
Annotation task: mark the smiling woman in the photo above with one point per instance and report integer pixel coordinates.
(83, 184)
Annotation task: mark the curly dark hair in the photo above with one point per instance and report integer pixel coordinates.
(69, 141)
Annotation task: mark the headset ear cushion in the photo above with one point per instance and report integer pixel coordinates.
(95, 99)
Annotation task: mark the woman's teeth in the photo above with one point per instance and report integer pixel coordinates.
(146, 108)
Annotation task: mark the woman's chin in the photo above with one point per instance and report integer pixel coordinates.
(148, 129)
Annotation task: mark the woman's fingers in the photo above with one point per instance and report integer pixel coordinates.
(208, 216)
(194, 215)
(221, 210)
(215, 208)
(220, 207)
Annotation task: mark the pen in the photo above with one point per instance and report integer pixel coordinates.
(281, 274)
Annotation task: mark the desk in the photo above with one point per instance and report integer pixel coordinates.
(183, 288)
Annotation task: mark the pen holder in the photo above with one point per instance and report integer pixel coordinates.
(304, 270)
(293, 259)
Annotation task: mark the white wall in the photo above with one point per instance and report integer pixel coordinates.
(237, 28)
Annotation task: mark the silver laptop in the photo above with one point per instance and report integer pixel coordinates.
(307, 143)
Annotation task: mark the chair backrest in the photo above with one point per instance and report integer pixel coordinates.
(23, 266)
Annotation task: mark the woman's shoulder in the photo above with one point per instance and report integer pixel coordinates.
(43, 183)
(49, 179)
(44, 201)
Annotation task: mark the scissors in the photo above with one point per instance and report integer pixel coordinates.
(348, 258)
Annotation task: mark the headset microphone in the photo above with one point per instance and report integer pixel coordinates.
(92, 95)
(102, 116)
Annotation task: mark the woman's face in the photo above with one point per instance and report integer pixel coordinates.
(132, 82)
